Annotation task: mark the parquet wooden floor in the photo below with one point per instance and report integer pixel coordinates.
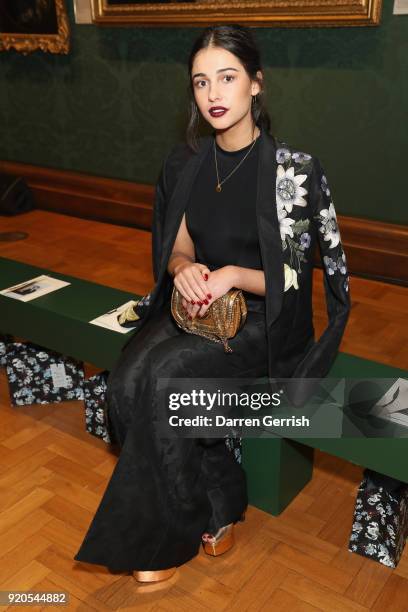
(53, 473)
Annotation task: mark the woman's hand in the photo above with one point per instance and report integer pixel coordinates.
(219, 282)
(190, 280)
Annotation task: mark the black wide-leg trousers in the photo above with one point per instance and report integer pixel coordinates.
(164, 493)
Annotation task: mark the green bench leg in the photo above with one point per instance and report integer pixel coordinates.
(277, 470)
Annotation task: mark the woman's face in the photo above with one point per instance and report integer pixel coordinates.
(220, 81)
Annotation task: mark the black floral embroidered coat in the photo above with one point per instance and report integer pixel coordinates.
(295, 212)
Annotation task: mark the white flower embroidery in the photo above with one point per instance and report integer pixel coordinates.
(290, 277)
(329, 226)
(342, 264)
(284, 226)
(289, 192)
(325, 186)
(281, 211)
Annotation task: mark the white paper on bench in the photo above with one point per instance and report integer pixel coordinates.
(34, 288)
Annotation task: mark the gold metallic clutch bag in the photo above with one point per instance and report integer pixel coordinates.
(222, 321)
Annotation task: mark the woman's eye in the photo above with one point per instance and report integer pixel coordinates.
(230, 78)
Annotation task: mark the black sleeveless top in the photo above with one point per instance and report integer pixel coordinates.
(223, 225)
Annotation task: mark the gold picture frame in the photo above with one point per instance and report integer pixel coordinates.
(29, 19)
(261, 13)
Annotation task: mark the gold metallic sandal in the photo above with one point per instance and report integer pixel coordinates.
(154, 575)
(221, 542)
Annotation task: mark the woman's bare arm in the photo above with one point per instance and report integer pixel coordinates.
(189, 276)
(183, 249)
(248, 279)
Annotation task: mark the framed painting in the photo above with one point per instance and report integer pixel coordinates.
(28, 25)
(261, 13)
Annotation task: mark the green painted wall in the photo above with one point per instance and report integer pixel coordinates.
(115, 105)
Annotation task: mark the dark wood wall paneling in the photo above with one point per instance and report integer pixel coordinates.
(374, 249)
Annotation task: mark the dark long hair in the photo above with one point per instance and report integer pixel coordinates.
(238, 40)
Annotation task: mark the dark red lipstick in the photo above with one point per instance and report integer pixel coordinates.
(217, 111)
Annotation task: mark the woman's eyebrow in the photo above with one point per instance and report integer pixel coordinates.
(220, 70)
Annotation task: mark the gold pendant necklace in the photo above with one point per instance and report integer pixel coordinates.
(219, 183)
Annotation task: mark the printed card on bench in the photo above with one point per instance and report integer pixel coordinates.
(34, 288)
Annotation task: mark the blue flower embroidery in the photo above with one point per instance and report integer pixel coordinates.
(300, 158)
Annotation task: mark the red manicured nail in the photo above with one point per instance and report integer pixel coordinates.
(209, 296)
(192, 301)
(200, 303)
(205, 276)
(206, 302)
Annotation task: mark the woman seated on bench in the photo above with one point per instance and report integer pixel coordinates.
(238, 209)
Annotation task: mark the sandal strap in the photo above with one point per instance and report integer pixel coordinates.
(221, 531)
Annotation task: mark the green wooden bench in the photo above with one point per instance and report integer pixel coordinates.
(277, 468)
